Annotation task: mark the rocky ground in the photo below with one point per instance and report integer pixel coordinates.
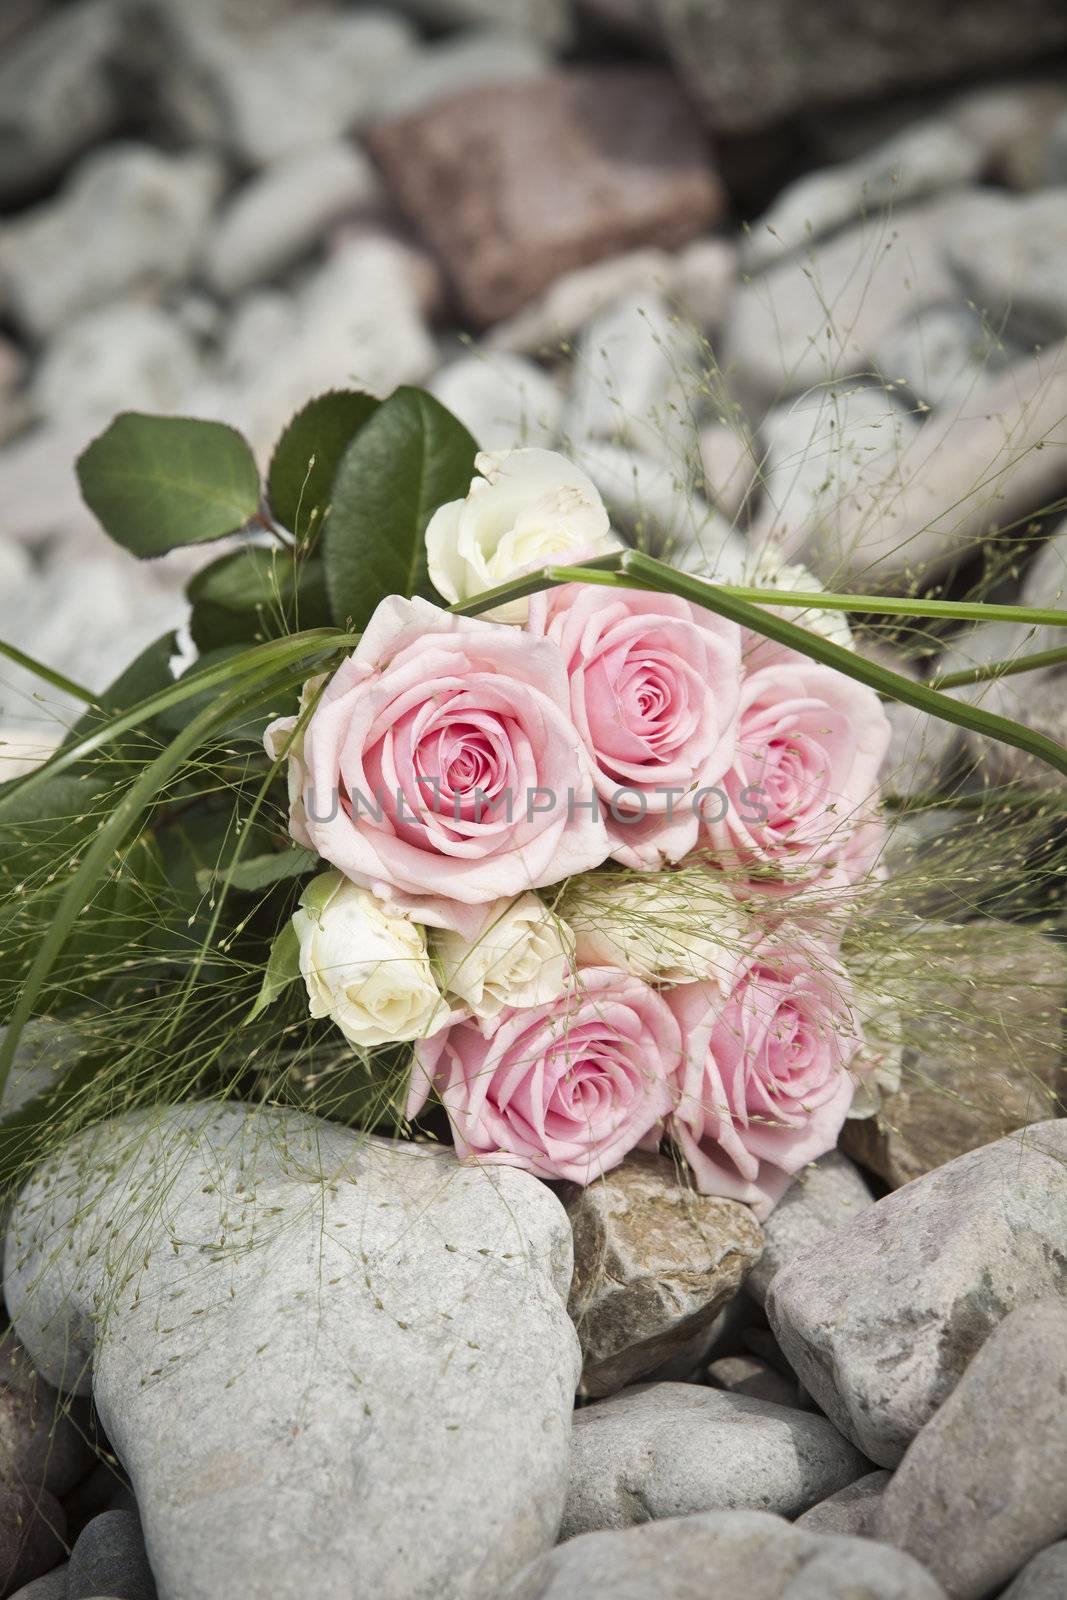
(754, 315)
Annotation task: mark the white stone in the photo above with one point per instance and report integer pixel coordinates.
(921, 160)
(576, 297)
(651, 502)
(824, 1196)
(379, 1375)
(502, 399)
(732, 459)
(881, 1318)
(123, 357)
(1012, 264)
(284, 212)
(1045, 581)
(943, 355)
(672, 1449)
(702, 281)
(635, 368)
(473, 59)
(129, 219)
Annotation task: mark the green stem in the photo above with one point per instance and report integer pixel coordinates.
(1001, 669)
(48, 674)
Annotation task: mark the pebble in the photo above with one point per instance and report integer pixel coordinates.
(825, 1196)
(943, 355)
(474, 59)
(1043, 1578)
(42, 1446)
(58, 93)
(731, 459)
(671, 1449)
(749, 1376)
(651, 503)
(853, 1510)
(109, 1558)
(635, 367)
(546, 176)
(122, 357)
(502, 399)
(547, 20)
(553, 318)
(654, 1264)
(1011, 265)
(128, 220)
(272, 1442)
(880, 1350)
(32, 1529)
(284, 212)
(703, 278)
(53, 1586)
(983, 1056)
(1045, 580)
(722, 1552)
(983, 1487)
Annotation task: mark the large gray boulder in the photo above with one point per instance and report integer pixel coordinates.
(722, 1552)
(882, 1317)
(668, 1449)
(330, 1364)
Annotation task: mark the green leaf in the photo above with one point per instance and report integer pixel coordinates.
(256, 593)
(260, 872)
(411, 457)
(306, 457)
(283, 968)
(159, 482)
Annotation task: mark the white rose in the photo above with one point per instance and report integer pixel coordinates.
(526, 508)
(668, 927)
(520, 956)
(367, 970)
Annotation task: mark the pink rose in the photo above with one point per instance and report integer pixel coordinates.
(564, 1090)
(654, 685)
(764, 1087)
(441, 761)
(804, 778)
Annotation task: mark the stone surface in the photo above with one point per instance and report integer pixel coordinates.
(123, 357)
(670, 1449)
(824, 1197)
(53, 1586)
(57, 93)
(1043, 1578)
(502, 399)
(371, 1316)
(128, 220)
(547, 20)
(924, 158)
(284, 213)
(943, 355)
(654, 1263)
(703, 278)
(984, 1054)
(652, 503)
(984, 1485)
(1012, 266)
(853, 1510)
(731, 458)
(41, 1445)
(109, 1558)
(724, 1552)
(1045, 580)
(749, 1376)
(32, 1527)
(752, 66)
(547, 176)
(263, 80)
(635, 368)
(553, 318)
(881, 1349)
(474, 59)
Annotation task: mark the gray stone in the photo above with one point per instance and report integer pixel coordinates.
(982, 1056)
(824, 1197)
(502, 399)
(122, 357)
(1045, 581)
(1012, 264)
(264, 80)
(923, 159)
(573, 299)
(284, 213)
(42, 1446)
(109, 1557)
(342, 1281)
(750, 67)
(470, 60)
(635, 367)
(731, 458)
(853, 1510)
(654, 1264)
(547, 20)
(882, 1317)
(984, 1485)
(670, 1449)
(757, 1379)
(943, 355)
(703, 277)
(651, 502)
(722, 1552)
(104, 1489)
(53, 1586)
(57, 93)
(129, 220)
(32, 1531)
(1043, 1578)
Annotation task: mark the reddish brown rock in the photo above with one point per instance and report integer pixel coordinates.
(514, 185)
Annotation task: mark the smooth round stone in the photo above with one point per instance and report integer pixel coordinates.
(109, 1558)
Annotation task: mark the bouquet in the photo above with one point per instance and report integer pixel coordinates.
(466, 820)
